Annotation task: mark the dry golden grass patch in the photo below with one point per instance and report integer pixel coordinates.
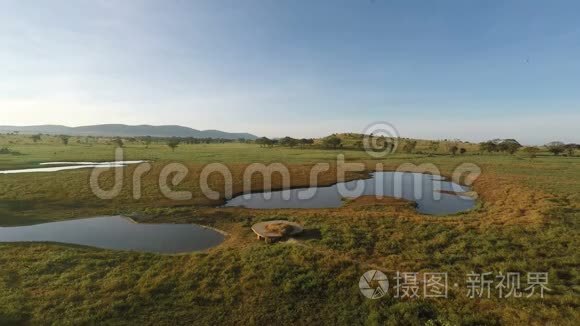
(507, 201)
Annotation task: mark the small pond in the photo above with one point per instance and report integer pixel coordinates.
(63, 166)
(119, 233)
(425, 189)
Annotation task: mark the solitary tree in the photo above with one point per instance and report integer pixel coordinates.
(509, 145)
(147, 141)
(118, 142)
(306, 141)
(570, 148)
(331, 141)
(64, 139)
(453, 149)
(173, 143)
(556, 147)
(36, 138)
(409, 146)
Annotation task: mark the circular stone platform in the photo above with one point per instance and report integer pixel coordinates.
(264, 230)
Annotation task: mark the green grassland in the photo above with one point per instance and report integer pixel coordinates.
(526, 220)
(50, 148)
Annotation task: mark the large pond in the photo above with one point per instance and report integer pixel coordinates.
(63, 166)
(427, 191)
(119, 233)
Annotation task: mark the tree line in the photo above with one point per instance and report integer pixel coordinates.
(511, 146)
(286, 142)
(508, 146)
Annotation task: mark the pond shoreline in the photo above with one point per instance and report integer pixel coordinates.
(386, 184)
(119, 233)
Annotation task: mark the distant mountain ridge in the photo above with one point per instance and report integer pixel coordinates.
(121, 130)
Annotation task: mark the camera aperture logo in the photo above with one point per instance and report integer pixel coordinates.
(374, 284)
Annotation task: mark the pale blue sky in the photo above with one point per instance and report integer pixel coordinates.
(435, 69)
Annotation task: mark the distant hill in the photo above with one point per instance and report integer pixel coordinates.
(125, 131)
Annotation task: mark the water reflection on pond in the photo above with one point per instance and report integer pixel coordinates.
(424, 189)
(117, 232)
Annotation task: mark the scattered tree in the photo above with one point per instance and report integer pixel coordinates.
(147, 141)
(173, 143)
(264, 142)
(434, 146)
(387, 144)
(118, 142)
(36, 138)
(288, 142)
(64, 139)
(570, 148)
(500, 145)
(556, 147)
(532, 151)
(488, 146)
(332, 141)
(453, 149)
(509, 145)
(306, 141)
(382, 141)
(409, 146)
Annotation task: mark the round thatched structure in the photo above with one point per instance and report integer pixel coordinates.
(272, 231)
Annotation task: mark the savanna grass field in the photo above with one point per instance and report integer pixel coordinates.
(526, 220)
